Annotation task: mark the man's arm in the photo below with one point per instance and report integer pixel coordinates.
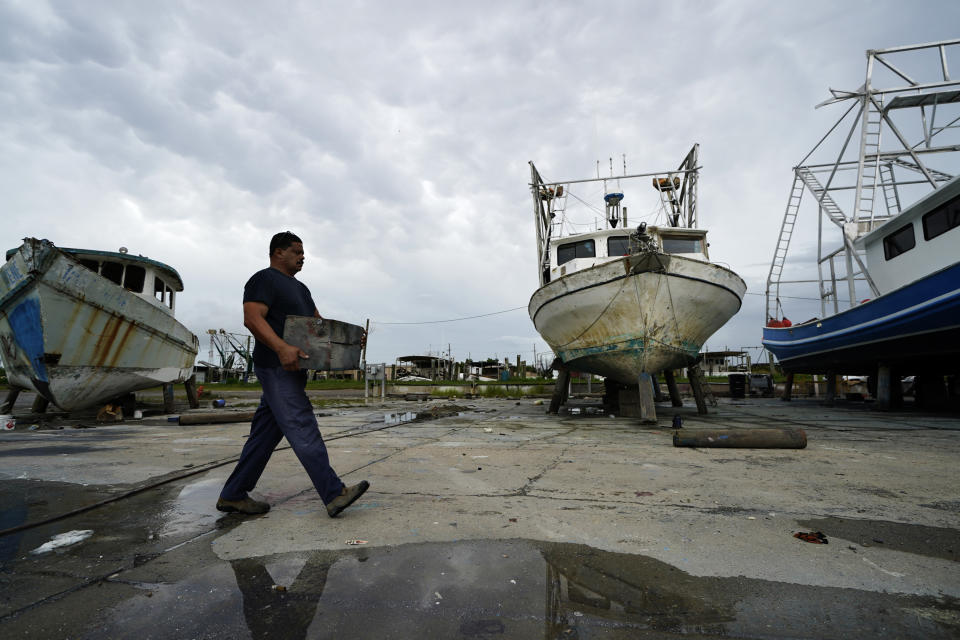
(255, 319)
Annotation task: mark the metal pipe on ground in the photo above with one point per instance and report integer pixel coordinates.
(216, 418)
(741, 438)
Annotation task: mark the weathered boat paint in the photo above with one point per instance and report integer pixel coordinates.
(79, 339)
(620, 318)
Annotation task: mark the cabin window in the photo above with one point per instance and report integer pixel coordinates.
(618, 245)
(900, 241)
(941, 220)
(134, 278)
(571, 250)
(681, 244)
(158, 290)
(112, 271)
(93, 265)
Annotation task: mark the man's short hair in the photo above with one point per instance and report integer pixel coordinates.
(283, 240)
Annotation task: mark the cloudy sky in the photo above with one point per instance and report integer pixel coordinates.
(394, 138)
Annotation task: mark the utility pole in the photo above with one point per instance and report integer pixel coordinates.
(366, 337)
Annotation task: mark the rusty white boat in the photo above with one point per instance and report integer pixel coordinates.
(621, 302)
(83, 328)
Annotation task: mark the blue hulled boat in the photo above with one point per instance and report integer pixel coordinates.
(914, 260)
(887, 272)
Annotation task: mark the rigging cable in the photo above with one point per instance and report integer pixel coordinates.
(482, 315)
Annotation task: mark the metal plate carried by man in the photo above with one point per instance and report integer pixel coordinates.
(270, 296)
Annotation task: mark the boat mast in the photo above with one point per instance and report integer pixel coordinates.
(543, 215)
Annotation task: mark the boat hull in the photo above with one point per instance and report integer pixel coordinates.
(914, 328)
(80, 340)
(643, 313)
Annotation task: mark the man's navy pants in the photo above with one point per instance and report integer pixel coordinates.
(284, 411)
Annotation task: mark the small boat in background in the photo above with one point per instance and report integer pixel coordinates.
(83, 328)
(621, 302)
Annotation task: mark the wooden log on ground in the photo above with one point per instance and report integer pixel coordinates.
(219, 417)
(741, 438)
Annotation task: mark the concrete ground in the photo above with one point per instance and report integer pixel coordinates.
(492, 520)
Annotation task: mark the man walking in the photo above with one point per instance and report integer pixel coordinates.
(269, 296)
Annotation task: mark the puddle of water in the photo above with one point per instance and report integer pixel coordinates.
(55, 450)
(399, 418)
(193, 509)
(511, 589)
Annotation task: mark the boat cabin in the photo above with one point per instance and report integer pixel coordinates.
(920, 241)
(153, 281)
(574, 253)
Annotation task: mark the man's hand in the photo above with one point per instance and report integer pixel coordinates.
(255, 319)
(290, 355)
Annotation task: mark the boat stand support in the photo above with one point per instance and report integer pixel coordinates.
(561, 390)
(40, 404)
(675, 398)
(788, 388)
(12, 394)
(889, 388)
(831, 388)
(697, 382)
(884, 388)
(168, 403)
(648, 408)
(190, 386)
(657, 391)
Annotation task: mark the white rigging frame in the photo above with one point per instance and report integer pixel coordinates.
(549, 201)
(928, 93)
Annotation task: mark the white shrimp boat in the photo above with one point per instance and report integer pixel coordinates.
(82, 327)
(619, 302)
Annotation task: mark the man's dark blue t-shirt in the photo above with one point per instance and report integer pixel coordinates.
(284, 296)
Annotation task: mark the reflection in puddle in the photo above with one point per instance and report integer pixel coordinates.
(511, 589)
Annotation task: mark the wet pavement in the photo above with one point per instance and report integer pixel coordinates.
(491, 520)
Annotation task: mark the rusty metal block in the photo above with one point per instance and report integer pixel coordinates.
(332, 345)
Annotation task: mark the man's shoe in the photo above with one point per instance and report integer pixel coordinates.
(346, 498)
(247, 505)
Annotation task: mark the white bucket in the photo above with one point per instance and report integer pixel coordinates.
(7, 423)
